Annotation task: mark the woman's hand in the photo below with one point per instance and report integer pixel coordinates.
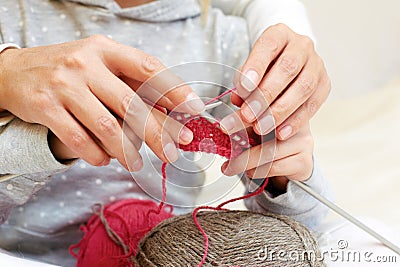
(179, 133)
(78, 91)
(290, 159)
(284, 73)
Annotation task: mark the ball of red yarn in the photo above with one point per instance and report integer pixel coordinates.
(130, 219)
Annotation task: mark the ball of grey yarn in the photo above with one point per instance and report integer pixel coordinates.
(236, 238)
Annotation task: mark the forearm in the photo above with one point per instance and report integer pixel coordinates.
(26, 163)
(24, 149)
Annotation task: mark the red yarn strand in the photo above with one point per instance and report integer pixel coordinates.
(164, 191)
(220, 96)
(259, 190)
(219, 207)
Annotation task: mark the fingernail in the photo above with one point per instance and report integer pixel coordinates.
(252, 110)
(249, 80)
(171, 152)
(186, 135)
(137, 165)
(265, 124)
(227, 123)
(194, 103)
(285, 132)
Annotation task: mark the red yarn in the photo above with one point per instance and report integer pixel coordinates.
(220, 96)
(164, 191)
(111, 237)
(130, 220)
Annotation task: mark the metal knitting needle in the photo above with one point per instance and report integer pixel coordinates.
(7, 177)
(207, 115)
(347, 216)
(213, 105)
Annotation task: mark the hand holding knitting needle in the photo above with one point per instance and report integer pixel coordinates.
(80, 89)
(282, 159)
(283, 69)
(290, 159)
(178, 132)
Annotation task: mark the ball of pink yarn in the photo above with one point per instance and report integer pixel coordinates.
(130, 220)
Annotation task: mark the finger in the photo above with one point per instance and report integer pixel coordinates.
(305, 112)
(283, 72)
(104, 129)
(178, 132)
(255, 105)
(268, 46)
(99, 121)
(233, 123)
(131, 144)
(75, 137)
(59, 149)
(132, 137)
(174, 95)
(111, 91)
(269, 151)
(118, 98)
(291, 167)
(251, 158)
(145, 91)
(145, 125)
(133, 160)
(136, 141)
(240, 91)
(137, 65)
(302, 88)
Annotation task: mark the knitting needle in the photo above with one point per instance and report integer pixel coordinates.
(7, 177)
(207, 115)
(347, 216)
(212, 105)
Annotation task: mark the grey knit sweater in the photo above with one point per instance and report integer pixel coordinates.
(42, 207)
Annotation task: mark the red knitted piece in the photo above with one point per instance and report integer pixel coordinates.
(208, 137)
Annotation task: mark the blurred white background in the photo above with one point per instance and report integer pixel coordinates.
(359, 40)
(357, 131)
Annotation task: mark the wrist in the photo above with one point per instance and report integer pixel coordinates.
(4, 49)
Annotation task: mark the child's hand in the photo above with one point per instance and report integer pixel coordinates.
(291, 78)
(292, 158)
